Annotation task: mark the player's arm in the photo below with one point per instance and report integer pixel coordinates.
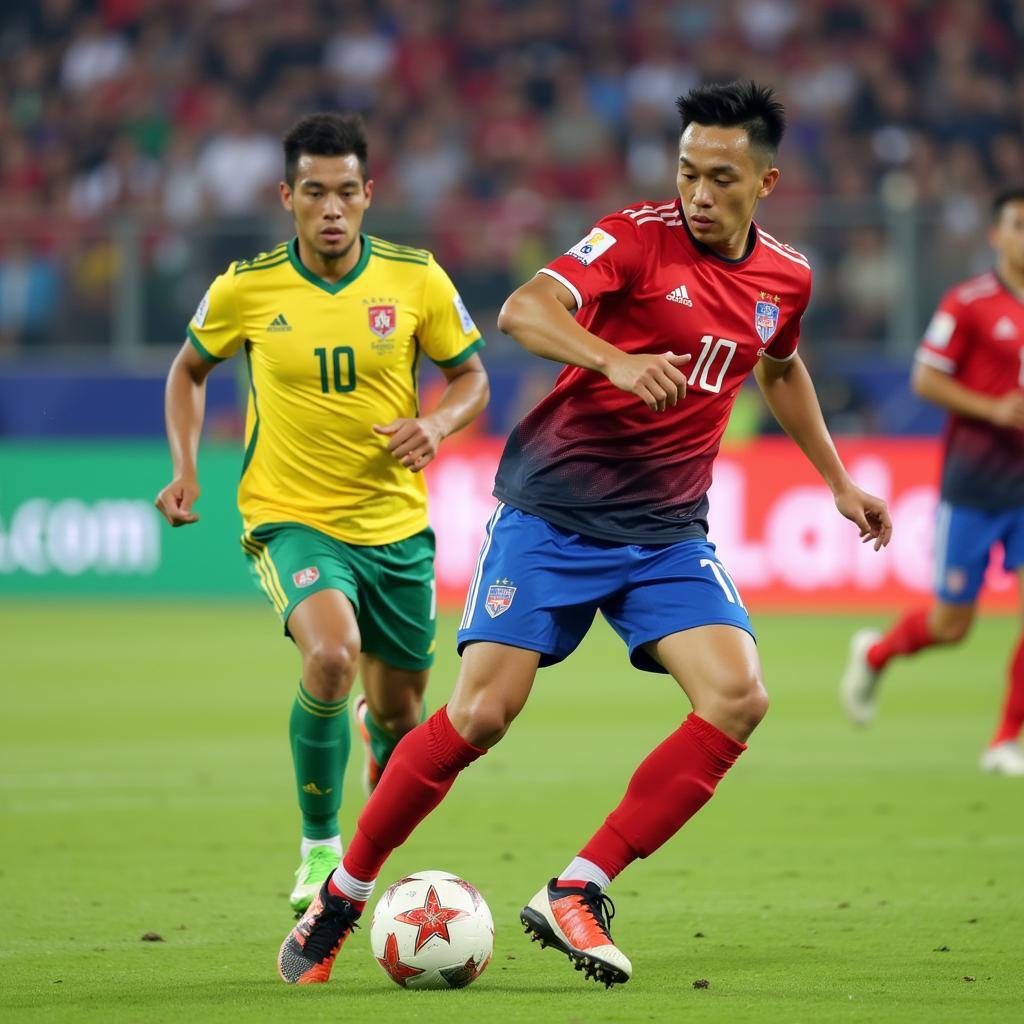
(415, 441)
(789, 392)
(184, 409)
(539, 315)
(941, 389)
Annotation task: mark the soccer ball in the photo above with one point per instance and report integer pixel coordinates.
(432, 930)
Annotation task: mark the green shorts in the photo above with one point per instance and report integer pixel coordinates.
(391, 586)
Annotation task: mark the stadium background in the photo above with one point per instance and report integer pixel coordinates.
(145, 785)
(139, 154)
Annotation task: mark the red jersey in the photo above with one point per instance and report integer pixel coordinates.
(595, 459)
(977, 336)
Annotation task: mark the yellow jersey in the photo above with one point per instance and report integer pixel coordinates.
(326, 362)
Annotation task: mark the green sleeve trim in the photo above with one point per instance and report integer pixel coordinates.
(462, 356)
(200, 347)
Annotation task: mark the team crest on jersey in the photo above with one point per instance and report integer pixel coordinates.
(956, 580)
(499, 598)
(306, 577)
(383, 320)
(766, 316)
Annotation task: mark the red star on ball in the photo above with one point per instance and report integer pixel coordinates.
(431, 919)
(393, 965)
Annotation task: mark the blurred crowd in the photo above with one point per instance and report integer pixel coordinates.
(498, 127)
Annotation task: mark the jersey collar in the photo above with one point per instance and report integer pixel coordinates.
(332, 289)
(706, 250)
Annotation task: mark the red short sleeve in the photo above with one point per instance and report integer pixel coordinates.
(608, 259)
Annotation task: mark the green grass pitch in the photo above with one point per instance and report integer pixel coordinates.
(837, 876)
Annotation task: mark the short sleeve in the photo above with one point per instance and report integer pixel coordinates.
(447, 332)
(783, 346)
(942, 346)
(216, 329)
(608, 259)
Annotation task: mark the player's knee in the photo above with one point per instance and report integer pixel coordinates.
(482, 723)
(739, 707)
(950, 630)
(752, 705)
(398, 723)
(329, 670)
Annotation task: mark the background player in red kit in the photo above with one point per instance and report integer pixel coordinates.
(660, 313)
(971, 362)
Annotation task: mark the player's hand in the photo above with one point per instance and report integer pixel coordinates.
(175, 501)
(871, 514)
(656, 380)
(414, 442)
(1008, 410)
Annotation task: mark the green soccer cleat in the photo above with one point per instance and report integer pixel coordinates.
(318, 866)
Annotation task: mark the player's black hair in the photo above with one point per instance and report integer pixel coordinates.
(744, 105)
(1007, 195)
(325, 134)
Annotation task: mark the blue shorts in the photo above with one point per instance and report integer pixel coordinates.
(964, 541)
(964, 538)
(538, 586)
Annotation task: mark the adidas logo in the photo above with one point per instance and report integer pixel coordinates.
(311, 787)
(279, 324)
(1005, 329)
(679, 295)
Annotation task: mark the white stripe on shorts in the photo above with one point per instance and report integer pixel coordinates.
(474, 590)
(942, 518)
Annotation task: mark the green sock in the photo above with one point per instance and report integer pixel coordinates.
(382, 743)
(320, 741)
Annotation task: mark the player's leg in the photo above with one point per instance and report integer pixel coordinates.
(503, 641)
(391, 705)
(1004, 754)
(397, 623)
(681, 614)
(305, 575)
(325, 632)
(493, 686)
(963, 539)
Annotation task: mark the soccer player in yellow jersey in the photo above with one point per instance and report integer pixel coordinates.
(332, 324)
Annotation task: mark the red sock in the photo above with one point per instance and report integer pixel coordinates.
(420, 772)
(908, 636)
(1013, 708)
(671, 785)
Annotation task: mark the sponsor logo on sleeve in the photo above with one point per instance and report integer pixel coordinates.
(597, 243)
(468, 327)
(201, 310)
(940, 330)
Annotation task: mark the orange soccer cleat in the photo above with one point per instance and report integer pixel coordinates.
(371, 769)
(307, 954)
(575, 920)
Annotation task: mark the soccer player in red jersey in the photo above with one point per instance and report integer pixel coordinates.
(659, 314)
(971, 363)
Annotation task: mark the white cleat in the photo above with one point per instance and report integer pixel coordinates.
(858, 688)
(576, 921)
(1004, 759)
